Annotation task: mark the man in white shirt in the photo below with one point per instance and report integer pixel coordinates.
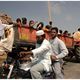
(6, 44)
(41, 56)
(59, 51)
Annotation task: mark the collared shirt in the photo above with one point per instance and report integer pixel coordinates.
(59, 48)
(43, 54)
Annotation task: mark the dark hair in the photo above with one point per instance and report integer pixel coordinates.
(55, 28)
(18, 20)
(42, 25)
(65, 32)
(50, 22)
(78, 29)
(30, 22)
(48, 26)
(60, 31)
(24, 20)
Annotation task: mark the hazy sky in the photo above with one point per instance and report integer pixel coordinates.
(65, 14)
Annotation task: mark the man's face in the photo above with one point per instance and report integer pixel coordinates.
(39, 39)
(31, 24)
(53, 34)
(39, 27)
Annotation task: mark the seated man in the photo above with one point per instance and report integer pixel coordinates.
(40, 56)
(59, 52)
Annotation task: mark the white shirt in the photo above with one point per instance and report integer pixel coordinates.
(7, 43)
(43, 54)
(2, 30)
(59, 48)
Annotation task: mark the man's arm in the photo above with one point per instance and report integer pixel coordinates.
(40, 50)
(7, 26)
(25, 53)
(63, 50)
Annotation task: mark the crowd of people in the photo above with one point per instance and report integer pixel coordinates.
(23, 22)
(48, 52)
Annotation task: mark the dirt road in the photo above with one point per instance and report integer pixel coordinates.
(72, 70)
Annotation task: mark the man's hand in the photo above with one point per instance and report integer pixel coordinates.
(26, 57)
(23, 54)
(53, 57)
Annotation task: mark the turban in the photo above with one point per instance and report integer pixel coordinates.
(40, 32)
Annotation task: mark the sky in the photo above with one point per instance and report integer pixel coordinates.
(64, 14)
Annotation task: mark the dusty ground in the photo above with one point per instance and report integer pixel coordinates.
(72, 70)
